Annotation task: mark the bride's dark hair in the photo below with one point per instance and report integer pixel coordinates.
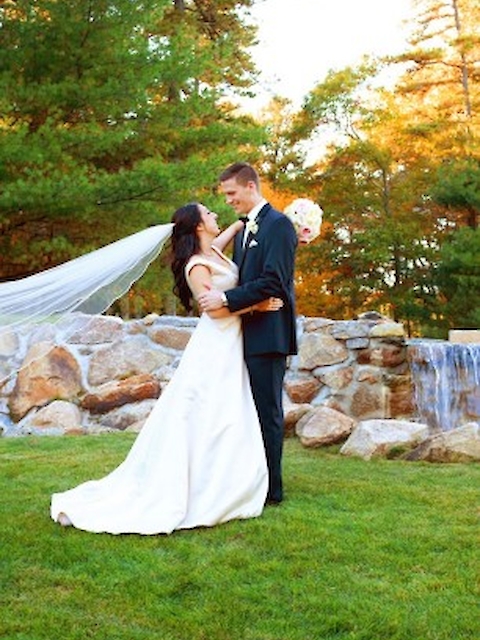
(185, 244)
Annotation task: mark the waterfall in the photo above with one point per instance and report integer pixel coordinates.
(446, 380)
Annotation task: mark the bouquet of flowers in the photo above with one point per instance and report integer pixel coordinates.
(306, 217)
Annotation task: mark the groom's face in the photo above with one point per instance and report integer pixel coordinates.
(242, 198)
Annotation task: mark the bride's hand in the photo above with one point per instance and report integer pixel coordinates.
(270, 304)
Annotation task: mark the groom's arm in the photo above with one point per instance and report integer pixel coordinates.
(277, 269)
(200, 279)
(274, 279)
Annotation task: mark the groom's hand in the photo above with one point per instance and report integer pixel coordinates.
(210, 300)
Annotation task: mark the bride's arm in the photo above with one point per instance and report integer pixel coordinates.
(227, 235)
(201, 280)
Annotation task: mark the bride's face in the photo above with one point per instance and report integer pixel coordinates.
(209, 220)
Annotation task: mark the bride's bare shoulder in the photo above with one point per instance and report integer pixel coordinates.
(197, 261)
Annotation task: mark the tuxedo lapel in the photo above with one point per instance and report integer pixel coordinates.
(244, 249)
(263, 212)
(242, 253)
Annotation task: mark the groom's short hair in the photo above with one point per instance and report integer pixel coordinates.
(242, 172)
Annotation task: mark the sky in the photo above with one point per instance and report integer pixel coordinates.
(300, 40)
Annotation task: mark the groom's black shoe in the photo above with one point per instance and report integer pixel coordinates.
(270, 502)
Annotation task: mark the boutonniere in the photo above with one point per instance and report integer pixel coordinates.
(251, 226)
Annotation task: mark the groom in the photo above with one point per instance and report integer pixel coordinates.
(265, 255)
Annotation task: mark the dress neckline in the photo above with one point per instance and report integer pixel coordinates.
(220, 254)
(225, 264)
(211, 258)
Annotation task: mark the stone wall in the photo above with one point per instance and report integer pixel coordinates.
(91, 374)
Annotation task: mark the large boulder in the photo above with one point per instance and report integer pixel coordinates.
(125, 358)
(119, 392)
(93, 330)
(8, 342)
(323, 426)
(458, 445)
(170, 337)
(379, 437)
(49, 372)
(292, 412)
(57, 418)
(128, 417)
(317, 350)
(302, 389)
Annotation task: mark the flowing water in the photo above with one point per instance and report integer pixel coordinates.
(446, 379)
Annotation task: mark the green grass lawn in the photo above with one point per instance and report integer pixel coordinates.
(358, 550)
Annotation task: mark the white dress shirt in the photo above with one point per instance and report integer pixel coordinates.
(252, 216)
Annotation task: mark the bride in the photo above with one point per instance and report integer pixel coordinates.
(199, 459)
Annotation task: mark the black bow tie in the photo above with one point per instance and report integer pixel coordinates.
(244, 219)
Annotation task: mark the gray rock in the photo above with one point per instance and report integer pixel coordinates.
(458, 445)
(323, 426)
(379, 437)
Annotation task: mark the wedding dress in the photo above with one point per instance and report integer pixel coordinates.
(199, 459)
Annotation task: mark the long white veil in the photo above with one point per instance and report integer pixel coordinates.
(88, 284)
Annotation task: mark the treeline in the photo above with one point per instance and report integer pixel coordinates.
(114, 113)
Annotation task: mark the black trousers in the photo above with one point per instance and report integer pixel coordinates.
(266, 373)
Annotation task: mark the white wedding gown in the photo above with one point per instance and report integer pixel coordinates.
(199, 459)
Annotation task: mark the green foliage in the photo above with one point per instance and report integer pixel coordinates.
(384, 238)
(458, 186)
(398, 173)
(442, 56)
(282, 158)
(335, 101)
(358, 551)
(458, 279)
(113, 115)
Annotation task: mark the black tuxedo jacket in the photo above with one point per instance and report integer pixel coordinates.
(266, 268)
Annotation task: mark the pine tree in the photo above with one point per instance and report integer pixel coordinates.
(441, 82)
(113, 113)
(458, 278)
